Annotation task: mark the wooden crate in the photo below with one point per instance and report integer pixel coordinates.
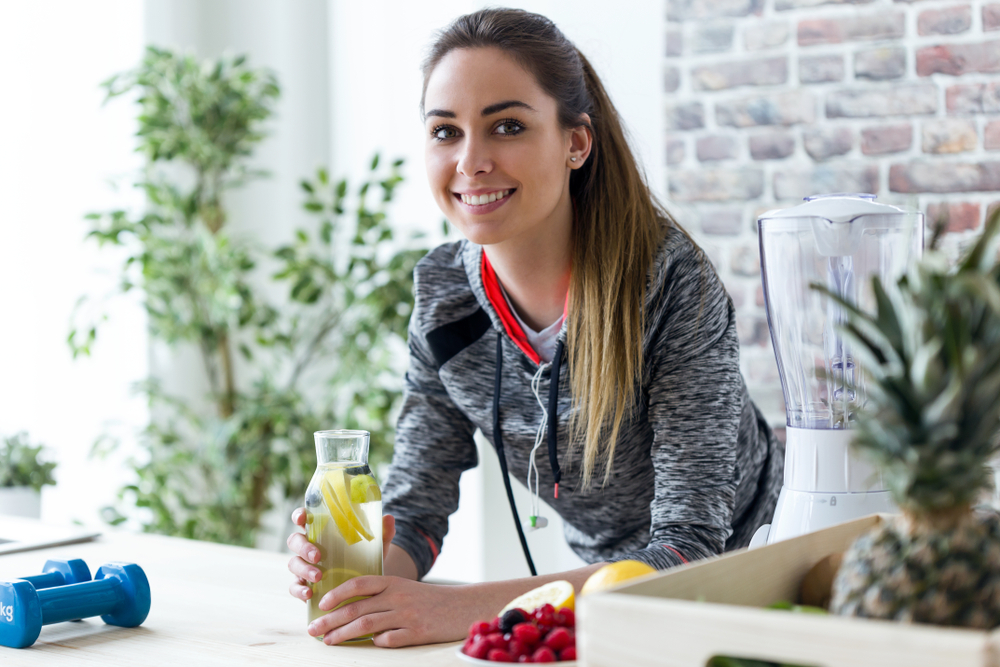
(687, 615)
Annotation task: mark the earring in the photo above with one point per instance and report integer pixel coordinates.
(572, 159)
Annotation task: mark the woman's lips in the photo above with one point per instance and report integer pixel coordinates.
(480, 209)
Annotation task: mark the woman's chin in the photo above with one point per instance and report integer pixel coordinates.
(482, 232)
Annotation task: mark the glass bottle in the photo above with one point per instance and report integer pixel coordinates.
(343, 513)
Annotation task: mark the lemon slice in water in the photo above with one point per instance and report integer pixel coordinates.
(559, 594)
(364, 489)
(349, 534)
(356, 518)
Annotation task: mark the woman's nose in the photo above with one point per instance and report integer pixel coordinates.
(474, 158)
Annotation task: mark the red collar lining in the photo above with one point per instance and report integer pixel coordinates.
(499, 303)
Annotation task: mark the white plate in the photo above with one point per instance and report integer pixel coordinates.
(477, 661)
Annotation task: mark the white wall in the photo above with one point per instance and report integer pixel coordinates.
(376, 50)
(58, 149)
(351, 86)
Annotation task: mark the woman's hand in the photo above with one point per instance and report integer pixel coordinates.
(399, 612)
(307, 554)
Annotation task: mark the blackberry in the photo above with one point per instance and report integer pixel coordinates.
(510, 619)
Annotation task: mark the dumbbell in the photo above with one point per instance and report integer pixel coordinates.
(59, 573)
(119, 594)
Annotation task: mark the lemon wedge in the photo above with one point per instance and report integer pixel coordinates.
(613, 574)
(355, 518)
(559, 594)
(315, 523)
(349, 534)
(364, 489)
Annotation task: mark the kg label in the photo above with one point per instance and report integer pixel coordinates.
(7, 612)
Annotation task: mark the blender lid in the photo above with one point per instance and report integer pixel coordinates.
(836, 208)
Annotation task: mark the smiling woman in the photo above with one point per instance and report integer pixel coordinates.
(576, 314)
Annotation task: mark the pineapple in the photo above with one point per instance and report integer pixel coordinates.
(931, 353)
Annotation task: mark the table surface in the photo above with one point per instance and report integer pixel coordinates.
(211, 604)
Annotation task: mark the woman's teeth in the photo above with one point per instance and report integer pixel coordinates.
(479, 200)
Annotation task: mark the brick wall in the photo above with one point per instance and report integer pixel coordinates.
(772, 100)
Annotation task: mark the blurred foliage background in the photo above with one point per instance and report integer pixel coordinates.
(278, 369)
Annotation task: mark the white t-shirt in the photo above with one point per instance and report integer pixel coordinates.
(542, 342)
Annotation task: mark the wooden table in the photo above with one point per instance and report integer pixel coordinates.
(211, 605)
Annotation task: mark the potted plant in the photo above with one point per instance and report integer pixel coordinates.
(932, 357)
(278, 366)
(23, 473)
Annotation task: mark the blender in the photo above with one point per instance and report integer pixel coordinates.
(840, 241)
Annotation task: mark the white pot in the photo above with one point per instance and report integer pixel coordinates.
(21, 501)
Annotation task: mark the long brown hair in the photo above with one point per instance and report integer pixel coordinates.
(616, 230)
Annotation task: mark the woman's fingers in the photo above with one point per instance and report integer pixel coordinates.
(299, 517)
(352, 588)
(363, 625)
(345, 615)
(395, 638)
(303, 548)
(300, 590)
(303, 570)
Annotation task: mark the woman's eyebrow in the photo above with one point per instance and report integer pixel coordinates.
(487, 111)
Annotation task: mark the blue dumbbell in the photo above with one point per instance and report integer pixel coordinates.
(119, 594)
(60, 573)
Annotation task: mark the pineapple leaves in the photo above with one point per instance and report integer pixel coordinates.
(930, 354)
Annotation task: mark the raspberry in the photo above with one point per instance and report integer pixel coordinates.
(495, 640)
(543, 654)
(545, 616)
(479, 628)
(512, 618)
(527, 633)
(568, 653)
(480, 647)
(498, 655)
(558, 639)
(566, 617)
(494, 625)
(516, 648)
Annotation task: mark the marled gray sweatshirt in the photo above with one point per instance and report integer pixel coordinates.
(696, 468)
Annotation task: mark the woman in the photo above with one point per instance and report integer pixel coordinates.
(573, 294)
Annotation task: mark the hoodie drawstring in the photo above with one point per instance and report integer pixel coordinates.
(552, 439)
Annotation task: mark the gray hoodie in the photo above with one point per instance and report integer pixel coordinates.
(696, 468)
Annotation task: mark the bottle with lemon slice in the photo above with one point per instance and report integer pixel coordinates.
(344, 513)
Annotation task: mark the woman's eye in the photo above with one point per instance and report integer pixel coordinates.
(444, 132)
(509, 127)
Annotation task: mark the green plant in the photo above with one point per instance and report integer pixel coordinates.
(21, 464)
(931, 354)
(322, 358)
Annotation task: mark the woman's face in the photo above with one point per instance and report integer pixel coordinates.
(493, 136)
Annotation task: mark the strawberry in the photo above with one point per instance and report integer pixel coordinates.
(498, 655)
(527, 633)
(543, 654)
(558, 639)
(568, 653)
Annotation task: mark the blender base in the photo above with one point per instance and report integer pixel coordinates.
(800, 512)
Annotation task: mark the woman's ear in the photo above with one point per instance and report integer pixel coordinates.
(581, 140)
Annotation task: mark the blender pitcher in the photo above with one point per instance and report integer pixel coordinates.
(840, 241)
(343, 513)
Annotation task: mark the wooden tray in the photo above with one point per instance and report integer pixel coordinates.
(686, 616)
